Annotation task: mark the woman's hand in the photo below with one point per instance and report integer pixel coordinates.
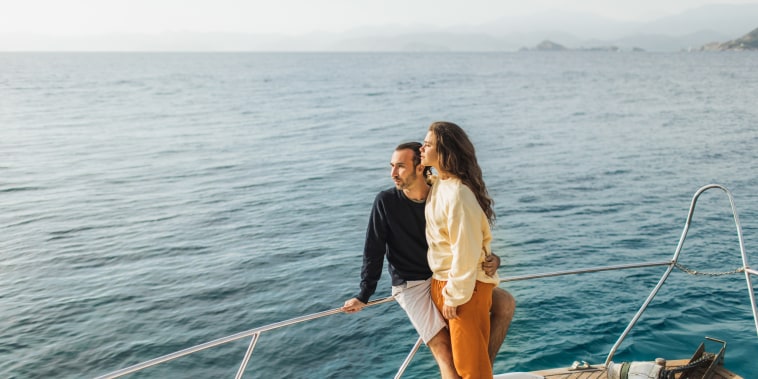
(449, 312)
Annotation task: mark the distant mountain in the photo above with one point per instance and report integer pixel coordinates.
(731, 20)
(431, 41)
(579, 25)
(688, 30)
(722, 19)
(548, 45)
(747, 42)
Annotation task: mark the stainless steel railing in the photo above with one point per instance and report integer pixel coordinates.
(254, 334)
(675, 260)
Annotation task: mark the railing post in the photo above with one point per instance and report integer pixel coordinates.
(248, 353)
(408, 359)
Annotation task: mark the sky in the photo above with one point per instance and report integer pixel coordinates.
(295, 17)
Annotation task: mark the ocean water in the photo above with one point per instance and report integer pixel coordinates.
(152, 202)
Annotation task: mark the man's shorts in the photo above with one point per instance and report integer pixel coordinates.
(415, 298)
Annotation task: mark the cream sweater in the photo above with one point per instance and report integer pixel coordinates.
(459, 238)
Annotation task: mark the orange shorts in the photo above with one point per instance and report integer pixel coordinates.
(470, 332)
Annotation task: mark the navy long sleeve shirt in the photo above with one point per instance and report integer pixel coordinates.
(396, 229)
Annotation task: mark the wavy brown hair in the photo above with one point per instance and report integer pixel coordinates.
(458, 157)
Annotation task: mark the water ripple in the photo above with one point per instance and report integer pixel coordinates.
(156, 201)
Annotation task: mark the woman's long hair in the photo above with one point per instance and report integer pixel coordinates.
(458, 157)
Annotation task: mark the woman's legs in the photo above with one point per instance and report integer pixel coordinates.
(469, 333)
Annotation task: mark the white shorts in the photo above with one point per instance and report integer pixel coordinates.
(415, 298)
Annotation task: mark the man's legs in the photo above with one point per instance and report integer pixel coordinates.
(415, 299)
(501, 314)
(443, 354)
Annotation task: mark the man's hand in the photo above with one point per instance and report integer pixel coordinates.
(353, 305)
(449, 312)
(490, 264)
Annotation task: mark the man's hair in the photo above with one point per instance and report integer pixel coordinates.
(416, 148)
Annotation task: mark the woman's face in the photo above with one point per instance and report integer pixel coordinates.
(429, 155)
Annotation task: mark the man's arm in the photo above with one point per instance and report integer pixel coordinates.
(373, 258)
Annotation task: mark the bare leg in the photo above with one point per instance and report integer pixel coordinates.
(501, 314)
(443, 354)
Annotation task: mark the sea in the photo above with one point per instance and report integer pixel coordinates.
(150, 202)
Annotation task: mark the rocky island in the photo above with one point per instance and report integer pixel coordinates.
(552, 46)
(748, 42)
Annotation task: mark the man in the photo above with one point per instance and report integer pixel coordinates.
(397, 229)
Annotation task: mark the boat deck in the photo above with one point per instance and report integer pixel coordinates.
(600, 372)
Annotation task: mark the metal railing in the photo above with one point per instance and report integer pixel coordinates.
(254, 334)
(675, 260)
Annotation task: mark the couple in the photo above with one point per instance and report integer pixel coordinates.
(437, 243)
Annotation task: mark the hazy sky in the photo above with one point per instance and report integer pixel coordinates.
(77, 17)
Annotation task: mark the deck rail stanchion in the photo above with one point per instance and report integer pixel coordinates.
(675, 259)
(408, 359)
(246, 359)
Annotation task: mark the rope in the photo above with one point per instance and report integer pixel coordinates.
(705, 273)
(704, 360)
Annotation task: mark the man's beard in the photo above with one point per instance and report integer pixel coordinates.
(405, 183)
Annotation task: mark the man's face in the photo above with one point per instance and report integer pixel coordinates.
(403, 172)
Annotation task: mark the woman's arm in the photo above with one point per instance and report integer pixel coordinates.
(465, 218)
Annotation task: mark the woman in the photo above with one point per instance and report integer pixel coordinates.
(458, 217)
